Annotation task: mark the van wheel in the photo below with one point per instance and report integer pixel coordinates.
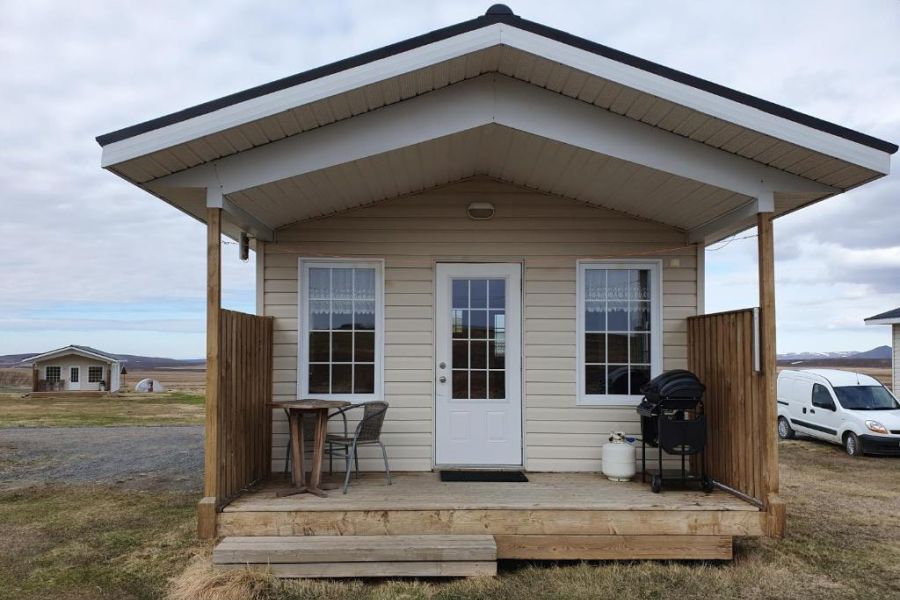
(785, 431)
(852, 445)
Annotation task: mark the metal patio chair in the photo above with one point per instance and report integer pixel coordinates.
(367, 433)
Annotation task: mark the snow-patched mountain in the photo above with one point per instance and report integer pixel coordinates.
(881, 352)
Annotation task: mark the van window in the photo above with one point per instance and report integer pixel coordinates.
(821, 398)
(865, 397)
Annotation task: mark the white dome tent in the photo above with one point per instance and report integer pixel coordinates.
(149, 385)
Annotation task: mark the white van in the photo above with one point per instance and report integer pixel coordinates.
(846, 408)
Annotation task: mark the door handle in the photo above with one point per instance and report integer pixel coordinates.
(442, 379)
(812, 411)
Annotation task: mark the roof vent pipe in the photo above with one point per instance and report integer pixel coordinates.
(500, 9)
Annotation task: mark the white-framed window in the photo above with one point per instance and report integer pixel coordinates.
(95, 374)
(52, 374)
(74, 374)
(619, 328)
(341, 329)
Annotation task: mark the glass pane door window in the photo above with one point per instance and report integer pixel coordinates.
(74, 374)
(478, 353)
(618, 308)
(340, 328)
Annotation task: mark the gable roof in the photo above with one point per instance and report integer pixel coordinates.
(886, 318)
(502, 97)
(85, 351)
(499, 13)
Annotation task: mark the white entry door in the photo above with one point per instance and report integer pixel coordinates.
(74, 378)
(478, 365)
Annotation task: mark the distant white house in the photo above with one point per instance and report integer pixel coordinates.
(892, 318)
(76, 369)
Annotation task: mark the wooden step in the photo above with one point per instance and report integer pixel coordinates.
(362, 556)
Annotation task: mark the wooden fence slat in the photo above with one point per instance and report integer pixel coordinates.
(245, 376)
(720, 353)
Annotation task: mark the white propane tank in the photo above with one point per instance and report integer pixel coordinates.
(618, 458)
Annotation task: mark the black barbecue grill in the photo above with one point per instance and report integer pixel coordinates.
(672, 420)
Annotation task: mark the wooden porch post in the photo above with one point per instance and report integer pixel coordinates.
(35, 377)
(766, 257)
(206, 511)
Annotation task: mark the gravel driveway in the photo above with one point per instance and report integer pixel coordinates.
(143, 458)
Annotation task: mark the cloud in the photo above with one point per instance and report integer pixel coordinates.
(72, 235)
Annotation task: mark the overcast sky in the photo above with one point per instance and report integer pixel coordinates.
(87, 258)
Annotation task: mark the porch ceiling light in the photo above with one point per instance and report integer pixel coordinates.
(480, 211)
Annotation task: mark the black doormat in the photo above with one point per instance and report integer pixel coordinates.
(485, 476)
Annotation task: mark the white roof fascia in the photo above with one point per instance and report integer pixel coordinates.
(472, 41)
(489, 99)
(888, 321)
(702, 101)
(299, 95)
(70, 350)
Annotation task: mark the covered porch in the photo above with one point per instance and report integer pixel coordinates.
(552, 516)
(587, 155)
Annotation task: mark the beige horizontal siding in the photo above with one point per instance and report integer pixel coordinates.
(549, 235)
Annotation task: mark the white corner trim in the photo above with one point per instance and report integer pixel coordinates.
(244, 220)
(714, 230)
(260, 255)
(701, 279)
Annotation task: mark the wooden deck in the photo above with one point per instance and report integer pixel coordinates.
(553, 516)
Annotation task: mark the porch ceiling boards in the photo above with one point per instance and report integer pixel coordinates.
(518, 64)
(501, 153)
(648, 140)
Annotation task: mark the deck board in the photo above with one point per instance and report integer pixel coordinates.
(544, 491)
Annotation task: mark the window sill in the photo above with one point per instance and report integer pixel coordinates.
(610, 401)
(352, 398)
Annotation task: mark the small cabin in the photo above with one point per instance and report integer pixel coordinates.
(499, 229)
(76, 369)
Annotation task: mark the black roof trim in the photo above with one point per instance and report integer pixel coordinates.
(891, 314)
(510, 19)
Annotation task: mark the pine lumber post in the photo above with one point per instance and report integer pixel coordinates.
(768, 371)
(206, 510)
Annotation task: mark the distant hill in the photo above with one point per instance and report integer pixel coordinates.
(133, 362)
(879, 353)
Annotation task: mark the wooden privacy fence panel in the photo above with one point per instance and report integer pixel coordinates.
(244, 390)
(721, 352)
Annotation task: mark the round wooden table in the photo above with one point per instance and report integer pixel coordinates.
(296, 410)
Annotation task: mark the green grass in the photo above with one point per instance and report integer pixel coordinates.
(167, 408)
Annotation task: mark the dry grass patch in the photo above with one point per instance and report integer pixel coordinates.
(168, 408)
(749, 576)
(93, 542)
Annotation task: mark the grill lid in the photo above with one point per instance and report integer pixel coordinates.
(674, 384)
